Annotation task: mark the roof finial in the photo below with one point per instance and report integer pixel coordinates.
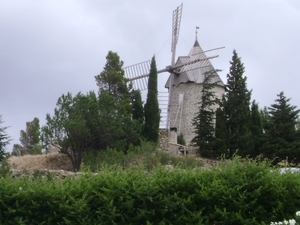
(197, 33)
(196, 41)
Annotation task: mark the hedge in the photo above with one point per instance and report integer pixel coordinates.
(233, 192)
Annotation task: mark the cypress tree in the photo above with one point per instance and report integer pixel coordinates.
(137, 106)
(204, 119)
(236, 106)
(151, 108)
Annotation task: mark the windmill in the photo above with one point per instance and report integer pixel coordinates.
(186, 70)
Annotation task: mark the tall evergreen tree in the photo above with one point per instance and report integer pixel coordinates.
(265, 118)
(204, 121)
(282, 140)
(137, 106)
(236, 106)
(256, 130)
(118, 128)
(151, 108)
(221, 133)
(4, 140)
(112, 77)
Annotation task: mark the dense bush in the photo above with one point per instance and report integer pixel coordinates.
(180, 139)
(233, 192)
(4, 168)
(145, 155)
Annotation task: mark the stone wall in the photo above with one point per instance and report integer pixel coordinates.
(182, 115)
(173, 148)
(163, 139)
(52, 149)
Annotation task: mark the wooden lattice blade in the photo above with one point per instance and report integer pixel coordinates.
(176, 20)
(163, 106)
(138, 74)
(197, 61)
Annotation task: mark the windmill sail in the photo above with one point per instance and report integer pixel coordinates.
(187, 69)
(199, 60)
(175, 31)
(138, 74)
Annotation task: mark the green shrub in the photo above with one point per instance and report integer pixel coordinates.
(145, 155)
(180, 139)
(135, 155)
(4, 168)
(36, 150)
(237, 191)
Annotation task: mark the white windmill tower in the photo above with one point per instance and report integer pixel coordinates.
(184, 82)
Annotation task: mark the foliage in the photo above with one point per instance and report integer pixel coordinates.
(4, 168)
(116, 98)
(144, 155)
(151, 108)
(298, 124)
(180, 139)
(265, 118)
(17, 150)
(289, 221)
(112, 79)
(36, 150)
(137, 106)
(204, 120)
(281, 136)
(234, 192)
(118, 129)
(31, 136)
(73, 127)
(256, 130)
(4, 139)
(220, 133)
(236, 108)
(29, 139)
(94, 123)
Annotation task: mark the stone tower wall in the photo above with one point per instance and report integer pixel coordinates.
(183, 118)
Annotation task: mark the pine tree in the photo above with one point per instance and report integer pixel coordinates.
(112, 77)
(221, 133)
(4, 140)
(256, 130)
(118, 128)
(265, 118)
(281, 136)
(204, 120)
(236, 106)
(151, 108)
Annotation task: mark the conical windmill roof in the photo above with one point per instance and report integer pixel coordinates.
(193, 75)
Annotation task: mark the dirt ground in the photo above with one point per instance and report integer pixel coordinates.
(53, 161)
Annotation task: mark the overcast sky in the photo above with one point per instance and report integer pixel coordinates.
(49, 48)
